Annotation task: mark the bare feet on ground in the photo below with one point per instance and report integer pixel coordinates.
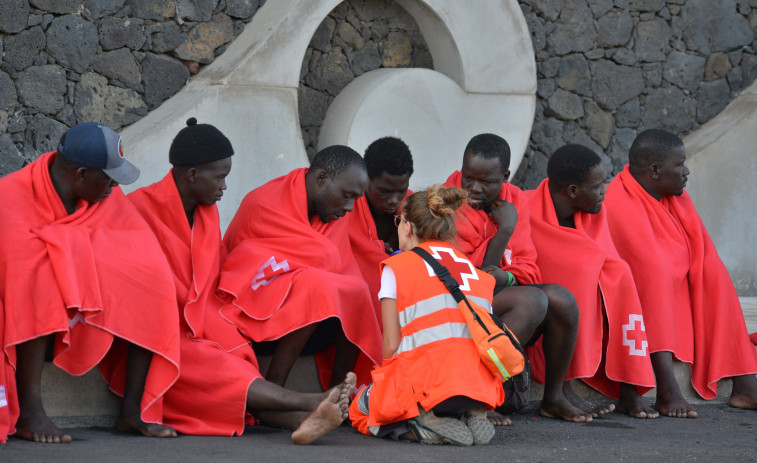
(40, 429)
(563, 408)
(137, 426)
(498, 419)
(345, 393)
(675, 407)
(637, 408)
(326, 417)
(744, 393)
(595, 409)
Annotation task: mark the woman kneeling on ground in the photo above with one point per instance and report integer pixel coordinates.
(432, 386)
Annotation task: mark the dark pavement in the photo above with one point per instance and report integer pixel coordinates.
(721, 433)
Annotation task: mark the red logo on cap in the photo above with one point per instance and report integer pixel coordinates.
(120, 150)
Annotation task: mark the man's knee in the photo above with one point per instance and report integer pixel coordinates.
(562, 303)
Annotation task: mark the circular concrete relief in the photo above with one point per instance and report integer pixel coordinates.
(484, 79)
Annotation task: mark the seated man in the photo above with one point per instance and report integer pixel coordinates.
(79, 268)
(569, 230)
(290, 267)
(182, 213)
(373, 233)
(493, 230)
(691, 310)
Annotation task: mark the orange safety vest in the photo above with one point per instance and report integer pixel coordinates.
(436, 358)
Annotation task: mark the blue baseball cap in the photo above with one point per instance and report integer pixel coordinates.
(98, 146)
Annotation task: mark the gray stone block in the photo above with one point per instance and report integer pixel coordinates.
(365, 60)
(369, 10)
(14, 15)
(652, 40)
(613, 84)
(713, 25)
(624, 56)
(157, 10)
(57, 6)
(165, 37)
(121, 32)
(72, 41)
(16, 122)
(45, 133)
(204, 38)
(10, 157)
(196, 10)
(684, 70)
(712, 98)
(614, 29)
(241, 9)
(619, 147)
(114, 106)
(641, 5)
(537, 32)
(312, 106)
(162, 76)
(599, 124)
(8, 96)
(321, 40)
(99, 8)
(396, 50)
(330, 73)
(574, 74)
(628, 114)
(548, 9)
(42, 88)
(600, 7)
(120, 65)
(23, 49)
(669, 109)
(574, 31)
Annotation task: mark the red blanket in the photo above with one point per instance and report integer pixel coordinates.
(95, 278)
(217, 363)
(285, 272)
(690, 305)
(8, 399)
(475, 229)
(584, 260)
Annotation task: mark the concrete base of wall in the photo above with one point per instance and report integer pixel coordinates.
(87, 401)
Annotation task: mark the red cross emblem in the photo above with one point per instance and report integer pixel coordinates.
(268, 272)
(460, 269)
(638, 335)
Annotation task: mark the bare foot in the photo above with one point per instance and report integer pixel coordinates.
(326, 417)
(40, 429)
(636, 407)
(744, 393)
(498, 419)
(595, 409)
(563, 408)
(676, 407)
(137, 426)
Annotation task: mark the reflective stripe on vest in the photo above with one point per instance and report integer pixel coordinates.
(434, 304)
(433, 334)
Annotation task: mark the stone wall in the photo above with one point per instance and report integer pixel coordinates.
(608, 69)
(63, 62)
(358, 36)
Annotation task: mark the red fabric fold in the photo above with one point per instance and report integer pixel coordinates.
(95, 278)
(475, 228)
(285, 272)
(217, 363)
(690, 305)
(584, 260)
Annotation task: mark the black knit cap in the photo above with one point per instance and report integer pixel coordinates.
(198, 144)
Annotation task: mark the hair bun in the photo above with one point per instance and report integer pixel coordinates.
(191, 121)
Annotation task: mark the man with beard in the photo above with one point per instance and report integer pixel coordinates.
(690, 306)
(569, 229)
(493, 230)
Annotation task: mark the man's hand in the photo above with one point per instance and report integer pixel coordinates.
(500, 276)
(504, 213)
(388, 248)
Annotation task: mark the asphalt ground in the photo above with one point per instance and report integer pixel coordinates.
(720, 433)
